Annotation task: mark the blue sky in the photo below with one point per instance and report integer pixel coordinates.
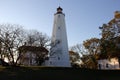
(83, 17)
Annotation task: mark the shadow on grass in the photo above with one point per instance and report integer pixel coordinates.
(55, 73)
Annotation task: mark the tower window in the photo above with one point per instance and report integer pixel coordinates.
(58, 58)
(58, 41)
(99, 66)
(50, 62)
(58, 16)
(59, 27)
(107, 66)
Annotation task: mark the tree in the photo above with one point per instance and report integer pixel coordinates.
(11, 37)
(31, 37)
(78, 51)
(108, 31)
(89, 61)
(74, 59)
(110, 48)
(35, 38)
(89, 52)
(109, 41)
(43, 39)
(92, 45)
(1, 53)
(42, 56)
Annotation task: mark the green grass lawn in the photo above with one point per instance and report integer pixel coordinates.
(56, 73)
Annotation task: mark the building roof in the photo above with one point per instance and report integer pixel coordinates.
(32, 48)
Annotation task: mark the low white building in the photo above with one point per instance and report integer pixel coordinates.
(30, 54)
(112, 63)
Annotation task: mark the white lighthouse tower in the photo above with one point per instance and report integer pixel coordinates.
(59, 55)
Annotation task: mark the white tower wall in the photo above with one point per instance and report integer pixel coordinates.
(59, 55)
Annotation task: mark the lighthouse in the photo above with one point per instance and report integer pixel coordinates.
(59, 54)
